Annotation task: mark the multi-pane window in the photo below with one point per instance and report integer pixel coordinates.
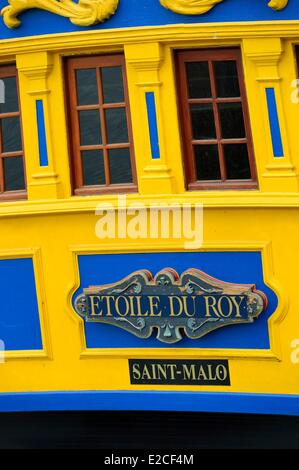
(101, 137)
(215, 122)
(12, 178)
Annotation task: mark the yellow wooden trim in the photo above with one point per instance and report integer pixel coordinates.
(212, 32)
(211, 200)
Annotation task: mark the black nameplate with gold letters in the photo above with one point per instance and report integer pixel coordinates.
(180, 372)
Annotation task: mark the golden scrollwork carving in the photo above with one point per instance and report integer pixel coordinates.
(83, 13)
(198, 7)
(190, 7)
(278, 4)
(90, 12)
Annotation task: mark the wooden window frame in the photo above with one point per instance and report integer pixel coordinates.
(97, 61)
(7, 71)
(297, 59)
(210, 55)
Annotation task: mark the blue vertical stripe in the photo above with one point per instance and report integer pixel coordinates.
(274, 123)
(153, 126)
(42, 140)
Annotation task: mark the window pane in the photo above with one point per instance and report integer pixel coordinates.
(11, 102)
(198, 78)
(232, 121)
(90, 127)
(11, 134)
(237, 162)
(116, 123)
(203, 122)
(120, 166)
(93, 167)
(113, 87)
(207, 162)
(14, 174)
(227, 80)
(87, 88)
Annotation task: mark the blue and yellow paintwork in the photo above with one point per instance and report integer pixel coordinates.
(49, 250)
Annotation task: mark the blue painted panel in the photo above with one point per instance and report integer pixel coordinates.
(151, 13)
(236, 267)
(274, 123)
(152, 123)
(151, 401)
(19, 317)
(42, 139)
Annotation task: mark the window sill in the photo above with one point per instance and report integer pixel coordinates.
(113, 190)
(229, 185)
(11, 196)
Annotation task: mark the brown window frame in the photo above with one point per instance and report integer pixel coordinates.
(210, 55)
(96, 61)
(297, 59)
(7, 71)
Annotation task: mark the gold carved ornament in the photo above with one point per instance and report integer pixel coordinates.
(83, 13)
(90, 12)
(189, 7)
(198, 7)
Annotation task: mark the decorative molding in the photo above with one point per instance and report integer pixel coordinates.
(199, 7)
(266, 55)
(175, 34)
(34, 71)
(83, 13)
(144, 65)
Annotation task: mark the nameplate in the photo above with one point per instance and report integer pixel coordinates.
(171, 372)
(170, 306)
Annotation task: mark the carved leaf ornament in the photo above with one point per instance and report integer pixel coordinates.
(198, 7)
(83, 13)
(91, 12)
